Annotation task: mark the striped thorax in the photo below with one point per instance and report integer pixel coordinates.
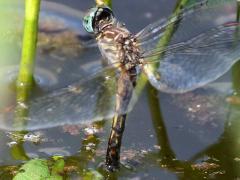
(117, 45)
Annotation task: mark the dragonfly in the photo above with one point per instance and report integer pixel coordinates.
(191, 60)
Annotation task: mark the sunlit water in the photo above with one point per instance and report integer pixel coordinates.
(194, 136)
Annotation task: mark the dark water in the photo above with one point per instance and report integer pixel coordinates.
(189, 136)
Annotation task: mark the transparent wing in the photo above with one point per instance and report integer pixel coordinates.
(202, 48)
(81, 103)
(198, 61)
(151, 34)
(192, 20)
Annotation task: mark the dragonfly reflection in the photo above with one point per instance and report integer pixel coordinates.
(186, 64)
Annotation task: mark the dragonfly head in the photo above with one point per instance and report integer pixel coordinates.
(95, 17)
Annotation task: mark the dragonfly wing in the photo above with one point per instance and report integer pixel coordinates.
(153, 32)
(198, 61)
(194, 19)
(81, 103)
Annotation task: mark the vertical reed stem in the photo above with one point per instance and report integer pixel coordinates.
(25, 77)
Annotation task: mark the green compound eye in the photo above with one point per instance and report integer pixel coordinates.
(88, 20)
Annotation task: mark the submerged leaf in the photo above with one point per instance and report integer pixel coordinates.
(34, 169)
(38, 169)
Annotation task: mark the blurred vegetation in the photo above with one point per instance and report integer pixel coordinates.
(104, 2)
(11, 30)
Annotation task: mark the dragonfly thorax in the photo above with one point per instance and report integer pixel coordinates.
(119, 46)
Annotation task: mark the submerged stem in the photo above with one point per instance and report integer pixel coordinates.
(236, 67)
(166, 151)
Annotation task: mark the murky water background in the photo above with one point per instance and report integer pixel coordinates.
(189, 136)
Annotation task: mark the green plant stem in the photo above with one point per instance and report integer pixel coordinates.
(18, 152)
(236, 67)
(104, 2)
(163, 42)
(166, 151)
(25, 77)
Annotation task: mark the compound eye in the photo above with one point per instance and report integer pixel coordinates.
(87, 24)
(88, 20)
(104, 13)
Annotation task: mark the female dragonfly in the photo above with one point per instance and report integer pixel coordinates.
(194, 57)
